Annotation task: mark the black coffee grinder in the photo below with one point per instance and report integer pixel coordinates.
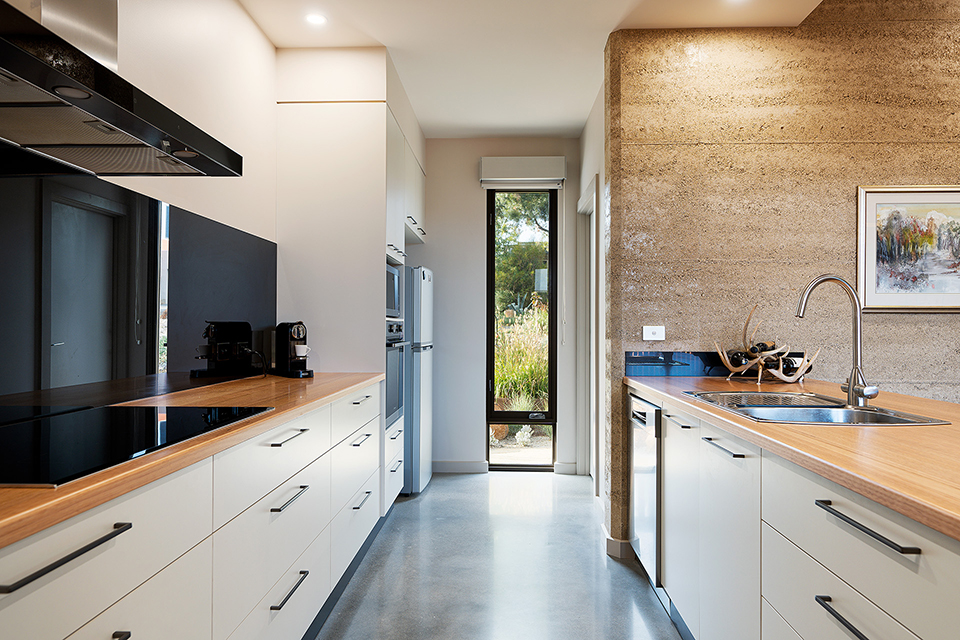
(289, 336)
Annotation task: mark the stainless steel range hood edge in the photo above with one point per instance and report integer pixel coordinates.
(151, 138)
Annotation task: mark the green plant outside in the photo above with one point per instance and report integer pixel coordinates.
(521, 360)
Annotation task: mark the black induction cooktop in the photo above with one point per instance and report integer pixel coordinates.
(63, 446)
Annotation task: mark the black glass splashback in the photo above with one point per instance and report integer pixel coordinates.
(58, 448)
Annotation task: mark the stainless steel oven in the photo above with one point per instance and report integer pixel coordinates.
(393, 382)
(645, 486)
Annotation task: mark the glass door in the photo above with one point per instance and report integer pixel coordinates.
(521, 329)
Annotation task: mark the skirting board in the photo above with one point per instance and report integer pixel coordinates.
(566, 468)
(460, 467)
(620, 549)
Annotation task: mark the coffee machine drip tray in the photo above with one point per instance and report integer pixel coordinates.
(51, 450)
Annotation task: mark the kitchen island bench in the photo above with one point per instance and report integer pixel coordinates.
(774, 531)
(243, 531)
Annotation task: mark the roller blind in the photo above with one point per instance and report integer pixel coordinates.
(523, 172)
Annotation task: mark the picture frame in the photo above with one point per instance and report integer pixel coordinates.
(908, 249)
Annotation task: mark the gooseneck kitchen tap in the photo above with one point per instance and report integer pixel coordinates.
(856, 387)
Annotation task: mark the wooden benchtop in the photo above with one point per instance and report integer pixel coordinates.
(912, 470)
(25, 511)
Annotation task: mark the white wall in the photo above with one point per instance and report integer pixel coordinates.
(210, 63)
(456, 250)
(592, 165)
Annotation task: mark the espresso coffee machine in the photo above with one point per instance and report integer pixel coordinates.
(228, 352)
(289, 336)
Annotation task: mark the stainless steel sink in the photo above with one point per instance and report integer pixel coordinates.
(808, 408)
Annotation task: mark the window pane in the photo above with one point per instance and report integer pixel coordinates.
(521, 297)
(521, 444)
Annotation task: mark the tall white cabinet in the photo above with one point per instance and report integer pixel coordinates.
(348, 143)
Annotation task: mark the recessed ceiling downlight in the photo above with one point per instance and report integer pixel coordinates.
(71, 92)
(316, 19)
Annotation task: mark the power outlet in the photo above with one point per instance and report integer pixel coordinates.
(654, 333)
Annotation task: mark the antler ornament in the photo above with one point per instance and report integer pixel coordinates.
(766, 357)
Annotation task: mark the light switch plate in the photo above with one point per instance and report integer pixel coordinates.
(654, 333)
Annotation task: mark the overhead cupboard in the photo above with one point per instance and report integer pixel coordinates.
(756, 547)
(246, 544)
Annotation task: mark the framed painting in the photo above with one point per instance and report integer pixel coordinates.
(908, 251)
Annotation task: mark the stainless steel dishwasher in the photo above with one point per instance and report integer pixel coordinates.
(645, 486)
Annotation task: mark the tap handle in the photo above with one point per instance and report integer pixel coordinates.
(867, 391)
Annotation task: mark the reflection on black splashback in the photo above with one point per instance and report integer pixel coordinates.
(79, 264)
(56, 449)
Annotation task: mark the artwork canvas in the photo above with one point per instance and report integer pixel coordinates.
(909, 248)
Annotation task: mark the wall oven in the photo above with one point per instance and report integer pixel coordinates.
(393, 383)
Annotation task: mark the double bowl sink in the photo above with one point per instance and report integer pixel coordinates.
(807, 408)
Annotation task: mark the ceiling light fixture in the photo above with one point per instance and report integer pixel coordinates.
(316, 18)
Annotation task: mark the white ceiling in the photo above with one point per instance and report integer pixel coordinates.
(502, 67)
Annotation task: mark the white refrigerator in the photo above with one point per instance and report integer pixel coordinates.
(418, 382)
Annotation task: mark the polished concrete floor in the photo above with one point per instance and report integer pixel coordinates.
(499, 556)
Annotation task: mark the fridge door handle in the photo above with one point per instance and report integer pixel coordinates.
(428, 347)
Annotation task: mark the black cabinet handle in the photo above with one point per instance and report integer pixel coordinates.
(121, 635)
(365, 498)
(303, 576)
(303, 489)
(364, 398)
(823, 602)
(362, 439)
(724, 449)
(396, 466)
(825, 505)
(677, 422)
(118, 528)
(396, 435)
(296, 435)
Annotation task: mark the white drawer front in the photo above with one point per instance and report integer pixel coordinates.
(59, 603)
(920, 590)
(393, 480)
(393, 445)
(175, 603)
(245, 473)
(354, 411)
(352, 462)
(304, 602)
(253, 549)
(773, 626)
(792, 580)
(352, 525)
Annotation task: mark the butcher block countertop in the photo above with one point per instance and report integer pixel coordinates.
(912, 470)
(25, 511)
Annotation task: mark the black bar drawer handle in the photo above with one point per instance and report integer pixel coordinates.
(303, 490)
(121, 635)
(396, 435)
(825, 505)
(396, 466)
(361, 400)
(362, 439)
(283, 442)
(365, 498)
(724, 449)
(823, 600)
(303, 576)
(118, 528)
(677, 422)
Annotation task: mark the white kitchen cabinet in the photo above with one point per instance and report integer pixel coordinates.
(161, 608)
(729, 537)
(355, 410)
(352, 462)
(680, 513)
(253, 549)
(396, 190)
(414, 199)
(920, 590)
(276, 455)
(350, 527)
(293, 601)
(773, 626)
(57, 604)
(812, 600)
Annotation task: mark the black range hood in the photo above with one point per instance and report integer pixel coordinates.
(62, 112)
